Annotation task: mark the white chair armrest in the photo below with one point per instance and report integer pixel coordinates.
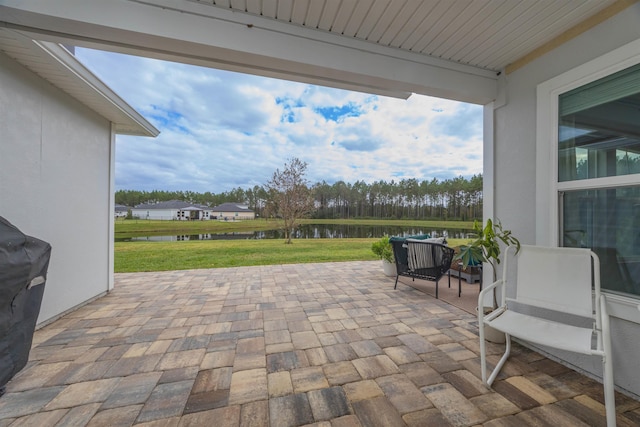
(486, 289)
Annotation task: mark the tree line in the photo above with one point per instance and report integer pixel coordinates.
(451, 199)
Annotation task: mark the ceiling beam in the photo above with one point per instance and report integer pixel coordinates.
(571, 33)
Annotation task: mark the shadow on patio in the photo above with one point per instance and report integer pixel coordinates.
(332, 344)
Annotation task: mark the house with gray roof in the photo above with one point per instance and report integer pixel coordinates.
(232, 212)
(120, 211)
(173, 210)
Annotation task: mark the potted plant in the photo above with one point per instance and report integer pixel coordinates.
(485, 248)
(382, 248)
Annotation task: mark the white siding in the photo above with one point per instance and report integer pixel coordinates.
(232, 216)
(54, 183)
(164, 214)
(515, 164)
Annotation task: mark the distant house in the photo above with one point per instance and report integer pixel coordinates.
(120, 211)
(232, 212)
(171, 210)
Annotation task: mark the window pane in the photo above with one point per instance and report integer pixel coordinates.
(599, 128)
(608, 222)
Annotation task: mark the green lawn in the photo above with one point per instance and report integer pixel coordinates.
(162, 256)
(159, 256)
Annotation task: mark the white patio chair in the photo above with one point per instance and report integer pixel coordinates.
(555, 280)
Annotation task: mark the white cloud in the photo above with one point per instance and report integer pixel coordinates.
(221, 130)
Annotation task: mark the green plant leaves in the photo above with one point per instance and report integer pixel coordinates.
(382, 248)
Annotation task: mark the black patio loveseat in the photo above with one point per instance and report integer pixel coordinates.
(421, 259)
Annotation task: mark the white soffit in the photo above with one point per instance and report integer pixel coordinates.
(445, 48)
(59, 67)
(488, 34)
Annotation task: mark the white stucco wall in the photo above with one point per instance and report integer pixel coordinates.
(233, 216)
(164, 214)
(55, 183)
(515, 163)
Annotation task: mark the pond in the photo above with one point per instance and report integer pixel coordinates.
(309, 231)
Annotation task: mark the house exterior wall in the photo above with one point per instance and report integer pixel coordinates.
(166, 214)
(233, 216)
(55, 183)
(187, 215)
(514, 174)
(163, 214)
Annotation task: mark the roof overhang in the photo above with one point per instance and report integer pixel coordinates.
(198, 34)
(451, 49)
(58, 66)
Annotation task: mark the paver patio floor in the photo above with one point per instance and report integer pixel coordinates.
(329, 344)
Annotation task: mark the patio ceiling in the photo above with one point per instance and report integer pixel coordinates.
(488, 34)
(452, 49)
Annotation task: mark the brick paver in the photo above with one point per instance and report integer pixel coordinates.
(329, 345)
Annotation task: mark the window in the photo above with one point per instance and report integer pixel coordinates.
(607, 221)
(599, 142)
(599, 128)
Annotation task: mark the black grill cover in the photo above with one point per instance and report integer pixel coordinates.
(23, 269)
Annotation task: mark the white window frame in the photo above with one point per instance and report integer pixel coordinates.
(547, 185)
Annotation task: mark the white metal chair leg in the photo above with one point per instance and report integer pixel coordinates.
(483, 354)
(607, 368)
(501, 362)
(483, 357)
(609, 393)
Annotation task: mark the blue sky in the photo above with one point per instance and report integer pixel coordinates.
(222, 130)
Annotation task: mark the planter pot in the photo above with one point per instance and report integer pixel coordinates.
(494, 335)
(389, 268)
(491, 334)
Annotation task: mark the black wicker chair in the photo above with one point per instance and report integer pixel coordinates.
(422, 260)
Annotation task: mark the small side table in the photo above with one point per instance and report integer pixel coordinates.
(477, 268)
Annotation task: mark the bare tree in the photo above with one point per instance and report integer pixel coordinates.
(289, 195)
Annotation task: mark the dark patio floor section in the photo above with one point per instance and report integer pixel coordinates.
(311, 344)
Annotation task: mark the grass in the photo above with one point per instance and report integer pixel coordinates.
(162, 256)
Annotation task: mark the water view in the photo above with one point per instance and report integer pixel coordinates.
(308, 231)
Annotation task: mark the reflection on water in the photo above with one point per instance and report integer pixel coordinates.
(310, 231)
